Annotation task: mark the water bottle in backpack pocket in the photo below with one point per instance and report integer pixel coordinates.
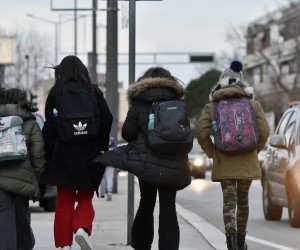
(151, 121)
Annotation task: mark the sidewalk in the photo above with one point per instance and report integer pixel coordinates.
(110, 232)
(110, 225)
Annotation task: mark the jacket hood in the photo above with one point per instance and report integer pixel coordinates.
(14, 109)
(139, 87)
(225, 90)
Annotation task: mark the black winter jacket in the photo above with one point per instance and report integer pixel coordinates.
(71, 164)
(136, 157)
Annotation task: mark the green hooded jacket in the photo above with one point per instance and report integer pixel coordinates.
(23, 178)
(229, 166)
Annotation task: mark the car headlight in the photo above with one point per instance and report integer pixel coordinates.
(198, 162)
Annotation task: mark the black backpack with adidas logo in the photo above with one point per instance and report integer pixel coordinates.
(77, 116)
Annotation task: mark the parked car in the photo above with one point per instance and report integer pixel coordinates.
(49, 193)
(281, 169)
(198, 161)
(262, 155)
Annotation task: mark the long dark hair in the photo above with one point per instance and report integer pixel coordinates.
(71, 68)
(17, 96)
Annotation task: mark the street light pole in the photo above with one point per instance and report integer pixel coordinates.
(56, 32)
(56, 25)
(130, 198)
(94, 51)
(75, 27)
(2, 73)
(27, 72)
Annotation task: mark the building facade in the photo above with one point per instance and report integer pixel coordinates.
(272, 61)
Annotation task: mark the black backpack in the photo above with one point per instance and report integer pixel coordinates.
(77, 117)
(171, 132)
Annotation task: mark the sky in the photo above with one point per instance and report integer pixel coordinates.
(173, 26)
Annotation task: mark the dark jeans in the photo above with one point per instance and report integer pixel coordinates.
(143, 225)
(15, 230)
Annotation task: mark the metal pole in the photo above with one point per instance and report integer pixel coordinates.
(56, 43)
(112, 93)
(94, 52)
(56, 32)
(2, 72)
(75, 27)
(112, 63)
(27, 72)
(130, 203)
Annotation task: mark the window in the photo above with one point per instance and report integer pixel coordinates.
(290, 130)
(288, 67)
(284, 68)
(283, 122)
(290, 28)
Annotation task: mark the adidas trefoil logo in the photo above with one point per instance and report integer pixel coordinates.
(80, 129)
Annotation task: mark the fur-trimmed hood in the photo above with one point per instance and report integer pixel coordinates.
(239, 88)
(138, 88)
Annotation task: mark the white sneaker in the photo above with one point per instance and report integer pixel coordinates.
(109, 196)
(83, 240)
(66, 248)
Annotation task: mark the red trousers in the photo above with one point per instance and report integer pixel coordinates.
(68, 217)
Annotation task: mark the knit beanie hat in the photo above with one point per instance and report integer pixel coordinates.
(234, 73)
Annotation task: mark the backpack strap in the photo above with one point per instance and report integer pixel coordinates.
(212, 111)
(212, 114)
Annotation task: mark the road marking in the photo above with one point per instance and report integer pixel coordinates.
(213, 235)
(268, 243)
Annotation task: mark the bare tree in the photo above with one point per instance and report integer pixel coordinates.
(282, 59)
(236, 38)
(279, 58)
(32, 55)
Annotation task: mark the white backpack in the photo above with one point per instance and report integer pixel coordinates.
(13, 147)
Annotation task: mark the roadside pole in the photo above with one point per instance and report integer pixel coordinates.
(132, 27)
(2, 73)
(132, 32)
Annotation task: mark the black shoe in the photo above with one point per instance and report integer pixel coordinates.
(231, 242)
(241, 243)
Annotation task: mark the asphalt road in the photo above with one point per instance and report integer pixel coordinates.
(204, 198)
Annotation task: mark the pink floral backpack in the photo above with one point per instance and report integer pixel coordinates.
(234, 127)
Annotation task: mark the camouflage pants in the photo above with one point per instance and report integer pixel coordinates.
(235, 205)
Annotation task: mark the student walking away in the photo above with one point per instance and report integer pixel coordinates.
(161, 170)
(20, 168)
(77, 128)
(107, 183)
(240, 131)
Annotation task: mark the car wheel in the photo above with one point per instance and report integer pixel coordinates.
(49, 205)
(294, 207)
(271, 211)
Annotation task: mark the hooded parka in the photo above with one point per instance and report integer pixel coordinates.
(23, 178)
(229, 166)
(137, 157)
(70, 164)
